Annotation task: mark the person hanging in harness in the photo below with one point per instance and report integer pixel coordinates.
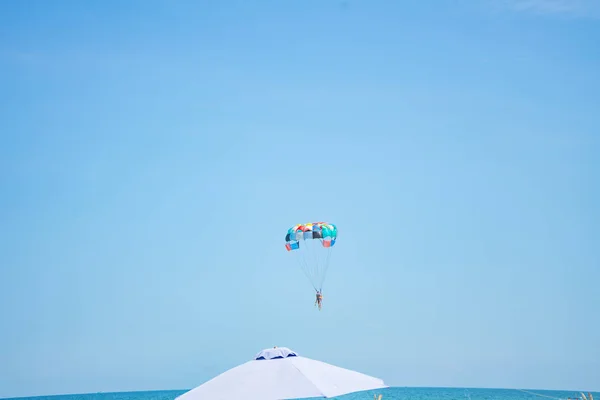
(319, 300)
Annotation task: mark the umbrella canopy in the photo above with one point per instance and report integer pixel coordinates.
(280, 373)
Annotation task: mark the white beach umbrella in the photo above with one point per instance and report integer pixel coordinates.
(279, 373)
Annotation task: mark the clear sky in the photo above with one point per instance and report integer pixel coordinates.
(153, 155)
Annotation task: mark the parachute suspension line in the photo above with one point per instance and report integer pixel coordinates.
(314, 255)
(320, 264)
(304, 266)
(304, 251)
(314, 261)
(317, 263)
(325, 268)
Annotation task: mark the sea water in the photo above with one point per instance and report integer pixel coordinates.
(395, 393)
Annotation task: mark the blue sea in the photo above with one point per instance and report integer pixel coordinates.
(395, 393)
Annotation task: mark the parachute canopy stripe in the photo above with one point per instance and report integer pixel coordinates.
(324, 231)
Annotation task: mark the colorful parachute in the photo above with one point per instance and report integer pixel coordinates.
(311, 243)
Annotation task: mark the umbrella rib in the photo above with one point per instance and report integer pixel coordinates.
(311, 382)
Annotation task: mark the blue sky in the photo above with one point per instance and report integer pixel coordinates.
(154, 153)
